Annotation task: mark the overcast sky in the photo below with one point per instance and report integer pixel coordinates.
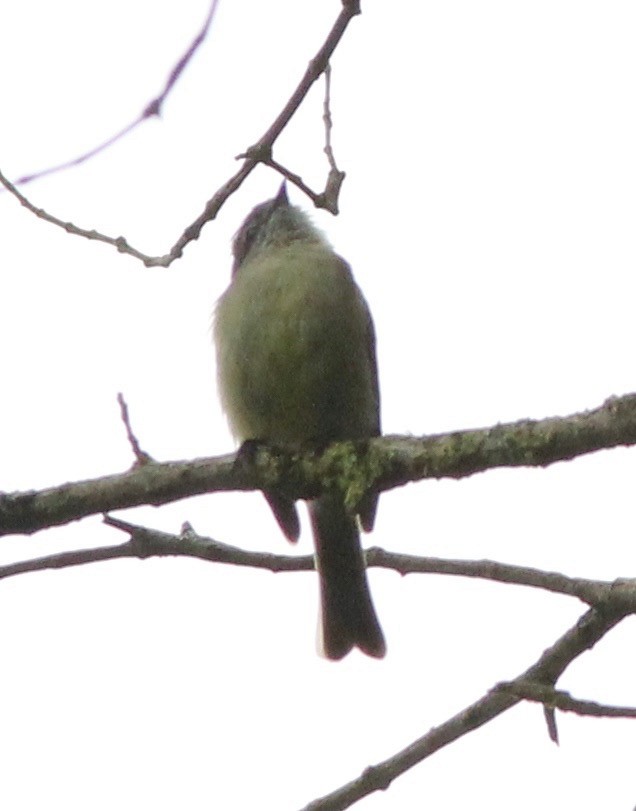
(488, 214)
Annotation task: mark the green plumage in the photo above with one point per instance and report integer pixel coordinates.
(296, 365)
(300, 365)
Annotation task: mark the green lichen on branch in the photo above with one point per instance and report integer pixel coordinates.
(353, 468)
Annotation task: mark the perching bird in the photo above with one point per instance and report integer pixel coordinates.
(296, 367)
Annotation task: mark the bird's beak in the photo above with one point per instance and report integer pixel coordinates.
(281, 198)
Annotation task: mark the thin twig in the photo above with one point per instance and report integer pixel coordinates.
(118, 242)
(561, 700)
(148, 542)
(153, 108)
(328, 121)
(328, 199)
(140, 455)
(589, 591)
(260, 152)
(296, 180)
(336, 177)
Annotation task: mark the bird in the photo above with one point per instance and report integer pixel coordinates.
(296, 368)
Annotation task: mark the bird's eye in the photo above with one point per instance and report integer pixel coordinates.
(245, 240)
(250, 231)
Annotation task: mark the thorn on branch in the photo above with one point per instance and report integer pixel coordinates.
(553, 699)
(550, 720)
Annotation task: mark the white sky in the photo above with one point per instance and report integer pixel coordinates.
(488, 214)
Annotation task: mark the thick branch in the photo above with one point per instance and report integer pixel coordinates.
(527, 443)
(353, 468)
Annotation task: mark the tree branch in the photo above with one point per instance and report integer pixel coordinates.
(260, 152)
(561, 700)
(354, 468)
(153, 108)
(589, 591)
(591, 627)
(145, 542)
(140, 455)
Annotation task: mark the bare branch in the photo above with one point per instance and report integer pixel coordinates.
(153, 108)
(260, 152)
(615, 601)
(329, 198)
(153, 543)
(146, 542)
(63, 560)
(141, 456)
(589, 591)
(561, 700)
(591, 627)
(119, 242)
(327, 120)
(336, 177)
(296, 180)
(352, 467)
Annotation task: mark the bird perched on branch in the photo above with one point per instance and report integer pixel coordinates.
(296, 367)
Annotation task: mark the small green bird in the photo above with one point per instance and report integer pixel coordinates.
(296, 367)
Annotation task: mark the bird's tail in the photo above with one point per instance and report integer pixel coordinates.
(348, 618)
